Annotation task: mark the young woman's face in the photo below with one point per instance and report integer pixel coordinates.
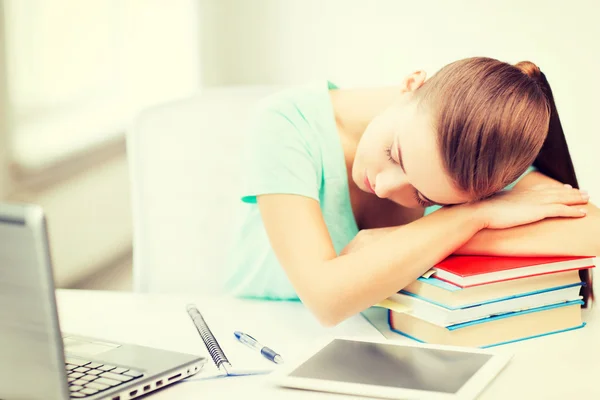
(398, 159)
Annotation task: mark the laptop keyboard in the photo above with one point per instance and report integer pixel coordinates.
(88, 378)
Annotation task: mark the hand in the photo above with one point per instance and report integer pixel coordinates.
(520, 207)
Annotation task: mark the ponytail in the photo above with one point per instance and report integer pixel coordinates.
(554, 159)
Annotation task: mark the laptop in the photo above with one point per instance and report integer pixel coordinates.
(35, 361)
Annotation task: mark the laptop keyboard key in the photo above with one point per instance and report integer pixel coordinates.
(95, 372)
(88, 378)
(96, 385)
(106, 381)
(117, 377)
(133, 374)
(76, 361)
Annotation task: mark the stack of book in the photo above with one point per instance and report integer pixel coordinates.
(487, 301)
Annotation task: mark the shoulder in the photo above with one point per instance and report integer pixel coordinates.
(301, 103)
(298, 113)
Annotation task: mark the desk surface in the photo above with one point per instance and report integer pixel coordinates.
(561, 366)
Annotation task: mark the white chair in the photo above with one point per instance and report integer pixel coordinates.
(183, 159)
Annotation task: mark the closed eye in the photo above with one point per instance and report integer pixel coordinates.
(388, 153)
(420, 201)
(419, 197)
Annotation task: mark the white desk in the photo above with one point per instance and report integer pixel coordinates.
(560, 366)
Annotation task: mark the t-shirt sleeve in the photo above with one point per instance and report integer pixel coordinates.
(279, 157)
(531, 168)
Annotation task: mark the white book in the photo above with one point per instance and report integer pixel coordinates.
(443, 316)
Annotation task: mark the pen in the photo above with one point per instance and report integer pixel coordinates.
(249, 341)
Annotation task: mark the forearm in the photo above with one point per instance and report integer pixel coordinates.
(557, 236)
(353, 282)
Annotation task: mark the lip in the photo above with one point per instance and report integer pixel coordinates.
(368, 183)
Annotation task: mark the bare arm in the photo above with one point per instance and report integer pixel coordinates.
(334, 288)
(556, 236)
(553, 236)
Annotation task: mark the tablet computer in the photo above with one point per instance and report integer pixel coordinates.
(393, 370)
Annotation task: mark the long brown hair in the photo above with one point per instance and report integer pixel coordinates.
(493, 121)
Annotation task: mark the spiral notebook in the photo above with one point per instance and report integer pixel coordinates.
(243, 362)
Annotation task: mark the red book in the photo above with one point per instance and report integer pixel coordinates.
(466, 271)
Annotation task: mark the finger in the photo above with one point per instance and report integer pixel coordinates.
(584, 194)
(561, 210)
(567, 196)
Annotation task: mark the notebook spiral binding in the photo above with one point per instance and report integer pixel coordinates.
(207, 336)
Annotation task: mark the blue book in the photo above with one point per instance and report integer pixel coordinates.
(452, 297)
(495, 300)
(495, 330)
(440, 314)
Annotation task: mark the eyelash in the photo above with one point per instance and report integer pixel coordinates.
(388, 153)
(420, 201)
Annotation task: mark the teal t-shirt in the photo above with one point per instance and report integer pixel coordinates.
(292, 147)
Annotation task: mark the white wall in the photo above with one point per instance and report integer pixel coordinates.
(364, 42)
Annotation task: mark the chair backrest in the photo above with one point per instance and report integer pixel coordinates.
(184, 167)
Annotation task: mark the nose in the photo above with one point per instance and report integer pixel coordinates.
(390, 181)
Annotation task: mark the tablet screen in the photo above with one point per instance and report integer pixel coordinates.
(392, 365)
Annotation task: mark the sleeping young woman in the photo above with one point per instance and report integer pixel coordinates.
(354, 193)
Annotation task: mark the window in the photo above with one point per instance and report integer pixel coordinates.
(78, 71)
